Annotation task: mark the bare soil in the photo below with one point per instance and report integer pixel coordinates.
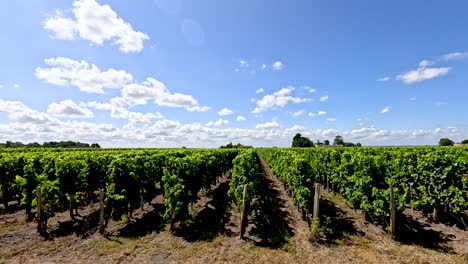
(275, 234)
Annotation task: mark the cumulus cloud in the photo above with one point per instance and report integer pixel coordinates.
(225, 111)
(19, 112)
(217, 123)
(260, 90)
(152, 89)
(324, 98)
(277, 66)
(29, 125)
(268, 125)
(278, 99)
(386, 109)
(331, 120)
(321, 113)
(311, 114)
(198, 108)
(454, 56)
(70, 109)
(240, 118)
(423, 73)
(87, 77)
(298, 113)
(96, 23)
(117, 109)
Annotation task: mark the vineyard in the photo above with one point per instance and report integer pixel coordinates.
(430, 180)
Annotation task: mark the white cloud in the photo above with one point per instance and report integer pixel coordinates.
(268, 125)
(384, 79)
(152, 89)
(278, 99)
(19, 112)
(198, 108)
(324, 98)
(29, 125)
(264, 66)
(96, 23)
(70, 109)
(225, 111)
(331, 120)
(117, 109)
(1, 86)
(298, 113)
(277, 66)
(321, 113)
(16, 85)
(426, 63)
(312, 90)
(311, 114)
(240, 118)
(236, 70)
(259, 90)
(87, 77)
(219, 122)
(386, 109)
(422, 73)
(454, 56)
(243, 64)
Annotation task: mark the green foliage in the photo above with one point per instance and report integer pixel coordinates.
(301, 142)
(246, 171)
(446, 142)
(425, 177)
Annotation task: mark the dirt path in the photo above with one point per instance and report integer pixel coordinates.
(301, 233)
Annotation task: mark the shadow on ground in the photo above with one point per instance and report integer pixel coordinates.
(335, 225)
(212, 219)
(12, 208)
(84, 227)
(152, 220)
(270, 222)
(410, 231)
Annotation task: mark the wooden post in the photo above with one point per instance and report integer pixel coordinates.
(316, 202)
(39, 209)
(171, 228)
(142, 202)
(243, 213)
(4, 196)
(101, 211)
(328, 184)
(392, 213)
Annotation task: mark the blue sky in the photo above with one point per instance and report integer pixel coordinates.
(169, 73)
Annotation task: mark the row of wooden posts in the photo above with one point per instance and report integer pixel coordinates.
(243, 223)
(244, 210)
(40, 223)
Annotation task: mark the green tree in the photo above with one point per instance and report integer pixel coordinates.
(465, 141)
(326, 142)
(445, 142)
(301, 142)
(338, 140)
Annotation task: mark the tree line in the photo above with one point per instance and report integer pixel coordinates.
(52, 144)
(304, 142)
